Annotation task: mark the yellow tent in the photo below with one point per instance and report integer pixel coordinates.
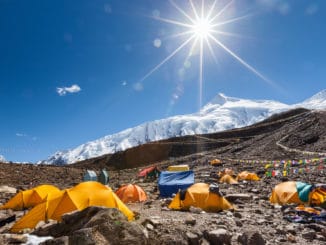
(245, 175)
(83, 195)
(318, 195)
(199, 195)
(215, 162)
(228, 179)
(30, 198)
(184, 167)
(285, 192)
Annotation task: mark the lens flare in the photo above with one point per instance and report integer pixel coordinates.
(204, 28)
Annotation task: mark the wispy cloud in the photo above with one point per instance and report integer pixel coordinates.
(311, 9)
(138, 87)
(21, 135)
(280, 6)
(64, 90)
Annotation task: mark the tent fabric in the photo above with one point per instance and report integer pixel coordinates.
(226, 171)
(245, 175)
(81, 196)
(318, 195)
(30, 198)
(184, 167)
(285, 192)
(228, 179)
(131, 193)
(169, 183)
(148, 171)
(198, 195)
(303, 190)
(215, 162)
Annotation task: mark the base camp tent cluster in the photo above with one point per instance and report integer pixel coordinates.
(55, 203)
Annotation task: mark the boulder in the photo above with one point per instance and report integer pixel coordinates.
(96, 225)
(219, 237)
(251, 238)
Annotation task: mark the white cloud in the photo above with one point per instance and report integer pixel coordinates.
(64, 90)
(281, 6)
(21, 135)
(157, 43)
(311, 9)
(138, 87)
(124, 83)
(107, 8)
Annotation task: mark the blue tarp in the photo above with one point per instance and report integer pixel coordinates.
(303, 190)
(170, 182)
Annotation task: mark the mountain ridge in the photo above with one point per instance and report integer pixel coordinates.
(221, 113)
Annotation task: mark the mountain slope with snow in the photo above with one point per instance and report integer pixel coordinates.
(220, 114)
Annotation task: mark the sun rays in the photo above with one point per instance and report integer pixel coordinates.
(203, 25)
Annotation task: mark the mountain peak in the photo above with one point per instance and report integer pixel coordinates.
(221, 99)
(317, 101)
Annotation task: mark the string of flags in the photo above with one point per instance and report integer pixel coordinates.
(284, 168)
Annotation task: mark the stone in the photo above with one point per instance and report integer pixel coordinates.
(309, 235)
(193, 239)
(219, 236)
(97, 225)
(251, 238)
(190, 220)
(16, 239)
(195, 210)
(64, 240)
(149, 227)
(238, 196)
(237, 215)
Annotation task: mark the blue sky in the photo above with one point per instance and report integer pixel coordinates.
(71, 71)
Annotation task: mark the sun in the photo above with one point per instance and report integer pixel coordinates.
(204, 26)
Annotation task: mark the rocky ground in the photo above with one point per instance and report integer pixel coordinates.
(254, 220)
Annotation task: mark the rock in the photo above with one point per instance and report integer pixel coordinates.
(97, 225)
(193, 239)
(291, 238)
(195, 210)
(258, 211)
(237, 215)
(14, 239)
(190, 220)
(238, 223)
(7, 189)
(310, 235)
(254, 190)
(238, 196)
(149, 227)
(64, 240)
(219, 237)
(251, 238)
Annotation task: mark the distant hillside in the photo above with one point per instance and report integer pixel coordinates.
(298, 130)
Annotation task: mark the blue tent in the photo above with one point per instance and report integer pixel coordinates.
(170, 182)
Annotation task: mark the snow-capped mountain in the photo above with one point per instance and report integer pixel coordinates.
(2, 158)
(220, 114)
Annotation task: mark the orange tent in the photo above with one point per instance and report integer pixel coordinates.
(215, 162)
(131, 193)
(30, 198)
(228, 179)
(245, 175)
